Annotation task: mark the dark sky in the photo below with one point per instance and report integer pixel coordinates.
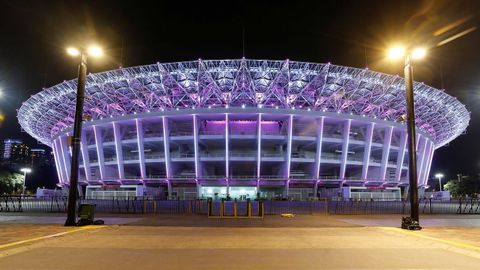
(352, 33)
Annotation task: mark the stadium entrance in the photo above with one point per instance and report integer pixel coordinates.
(218, 193)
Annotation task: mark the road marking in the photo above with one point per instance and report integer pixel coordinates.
(89, 227)
(417, 234)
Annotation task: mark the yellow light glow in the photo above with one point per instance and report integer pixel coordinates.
(419, 53)
(396, 53)
(95, 51)
(73, 51)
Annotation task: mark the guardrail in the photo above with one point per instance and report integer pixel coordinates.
(141, 205)
(32, 204)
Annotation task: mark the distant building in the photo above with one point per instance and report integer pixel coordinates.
(7, 147)
(15, 152)
(39, 157)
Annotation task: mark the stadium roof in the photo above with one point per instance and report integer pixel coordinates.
(254, 83)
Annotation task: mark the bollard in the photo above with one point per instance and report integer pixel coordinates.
(210, 207)
(222, 208)
(235, 208)
(260, 208)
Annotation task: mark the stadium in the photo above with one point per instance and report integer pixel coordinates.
(243, 129)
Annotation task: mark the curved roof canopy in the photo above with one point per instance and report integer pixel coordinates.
(217, 83)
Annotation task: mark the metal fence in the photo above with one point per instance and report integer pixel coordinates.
(32, 204)
(320, 207)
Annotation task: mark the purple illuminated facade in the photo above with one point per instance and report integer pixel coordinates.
(283, 127)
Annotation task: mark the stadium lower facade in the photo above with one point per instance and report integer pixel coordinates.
(243, 128)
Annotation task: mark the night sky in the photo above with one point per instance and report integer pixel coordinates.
(34, 35)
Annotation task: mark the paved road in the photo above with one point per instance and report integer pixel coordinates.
(227, 247)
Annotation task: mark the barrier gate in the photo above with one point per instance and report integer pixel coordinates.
(235, 209)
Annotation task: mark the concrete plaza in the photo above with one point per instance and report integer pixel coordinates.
(195, 242)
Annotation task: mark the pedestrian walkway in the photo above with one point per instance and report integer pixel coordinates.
(303, 242)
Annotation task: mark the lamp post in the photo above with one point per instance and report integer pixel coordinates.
(77, 128)
(439, 176)
(25, 171)
(408, 55)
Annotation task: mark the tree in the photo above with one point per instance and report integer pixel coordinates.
(10, 182)
(454, 187)
(466, 185)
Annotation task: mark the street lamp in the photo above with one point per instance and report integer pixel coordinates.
(93, 51)
(25, 171)
(439, 176)
(408, 55)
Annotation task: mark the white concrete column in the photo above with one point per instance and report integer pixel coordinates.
(69, 147)
(417, 140)
(169, 189)
(118, 150)
(401, 155)
(85, 157)
(346, 138)
(199, 190)
(423, 175)
(99, 144)
(58, 163)
(318, 159)
(228, 187)
(287, 188)
(195, 146)
(227, 150)
(430, 159)
(166, 145)
(65, 155)
(385, 152)
(141, 148)
(421, 155)
(259, 147)
(289, 148)
(367, 150)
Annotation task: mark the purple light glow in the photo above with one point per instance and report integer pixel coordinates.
(444, 121)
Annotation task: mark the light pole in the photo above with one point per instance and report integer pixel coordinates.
(77, 128)
(408, 55)
(439, 176)
(25, 171)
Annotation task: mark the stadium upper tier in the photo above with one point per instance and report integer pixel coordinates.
(243, 83)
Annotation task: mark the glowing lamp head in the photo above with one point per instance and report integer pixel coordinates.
(439, 175)
(396, 52)
(26, 170)
(73, 51)
(95, 51)
(419, 53)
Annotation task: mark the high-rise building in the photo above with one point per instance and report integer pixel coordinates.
(15, 151)
(8, 144)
